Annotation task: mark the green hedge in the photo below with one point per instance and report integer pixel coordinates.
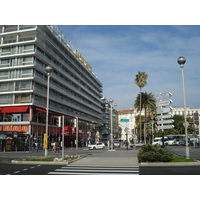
(154, 153)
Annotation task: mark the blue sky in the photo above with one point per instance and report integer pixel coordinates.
(117, 53)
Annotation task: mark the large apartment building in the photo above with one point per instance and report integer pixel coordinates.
(25, 52)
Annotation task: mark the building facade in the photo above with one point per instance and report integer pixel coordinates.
(106, 122)
(25, 52)
(127, 124)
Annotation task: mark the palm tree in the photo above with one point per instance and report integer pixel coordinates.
(148, 103)
(140, 81)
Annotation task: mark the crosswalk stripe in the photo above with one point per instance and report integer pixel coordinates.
(85, 170)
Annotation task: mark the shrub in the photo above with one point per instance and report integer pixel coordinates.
(154, 153)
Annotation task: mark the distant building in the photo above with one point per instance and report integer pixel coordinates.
(193, 113)
(106, 122)
(127, 124)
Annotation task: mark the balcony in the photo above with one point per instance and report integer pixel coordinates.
(15, 28)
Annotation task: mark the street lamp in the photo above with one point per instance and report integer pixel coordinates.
(48, 70)
(181, 61)
(111, 125)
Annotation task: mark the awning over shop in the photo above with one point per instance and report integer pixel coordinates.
(14, 109)
(40, 110)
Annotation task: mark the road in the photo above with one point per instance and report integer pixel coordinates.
(95, 162)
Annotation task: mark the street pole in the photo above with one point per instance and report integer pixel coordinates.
(76, 133)
(181, 61)
(63, 138)
(48, 70)
(111, 124)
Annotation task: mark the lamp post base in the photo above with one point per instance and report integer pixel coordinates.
(45, 153)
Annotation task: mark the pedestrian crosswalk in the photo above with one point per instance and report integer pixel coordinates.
(96, 170)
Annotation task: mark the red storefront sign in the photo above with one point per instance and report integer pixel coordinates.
(16, 128)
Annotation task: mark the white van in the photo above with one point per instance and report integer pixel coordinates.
(158, 140)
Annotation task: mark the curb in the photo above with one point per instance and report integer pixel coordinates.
(45, 162)
(171, 164)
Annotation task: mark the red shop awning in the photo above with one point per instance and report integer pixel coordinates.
(40, 110)
(14, 109)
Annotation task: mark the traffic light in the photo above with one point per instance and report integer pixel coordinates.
(58, 121)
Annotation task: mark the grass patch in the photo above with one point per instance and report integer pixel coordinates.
(182, 159)
(50, 159)
(36, 159)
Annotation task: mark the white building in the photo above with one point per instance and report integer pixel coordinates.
(127, 123)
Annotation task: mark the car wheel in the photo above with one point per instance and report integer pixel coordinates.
(94, 147)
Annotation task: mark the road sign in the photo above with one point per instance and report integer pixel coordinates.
(124, 120)
(165, 127)
(161, 96)
(163, 110)
(164, 116)
(185, 124)
(164, 103)
(165, 121)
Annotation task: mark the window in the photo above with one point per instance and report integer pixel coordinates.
(22, 98)
(28, 48)
(26, 73)
(6, 87)
(4, 74)
(4, 63)
(6, 99)
(5, 51)
(27, 60)
(23, 85)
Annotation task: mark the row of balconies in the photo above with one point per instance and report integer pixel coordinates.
(34, 37)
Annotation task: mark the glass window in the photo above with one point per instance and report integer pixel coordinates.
(4, 62)
(23, 85)
(28, 48)
(22, 98)
(6, 87)
(5, 51)
(26, 73)
(27, 60)
(6, 99)
(4, 74)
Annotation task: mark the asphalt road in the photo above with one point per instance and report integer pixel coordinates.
(21, 169)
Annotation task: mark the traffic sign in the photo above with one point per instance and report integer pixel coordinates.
(165, 127)
(124, 120)
(163, 110)
(165, 121)
(164, 103)
(161, 96)
(164, 116)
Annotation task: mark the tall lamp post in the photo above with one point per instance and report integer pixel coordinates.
(181, 61)
(48, 70)
(111, 123)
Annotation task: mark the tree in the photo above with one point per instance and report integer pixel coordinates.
(140, 81)
(148, 103)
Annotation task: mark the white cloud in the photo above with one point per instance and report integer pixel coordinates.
(117, 53)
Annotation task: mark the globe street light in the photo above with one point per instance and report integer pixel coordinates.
(181, 61)
(48, 70)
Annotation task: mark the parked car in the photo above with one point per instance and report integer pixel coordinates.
(139, 144)
(158, 140)
(98, 145)
(183, 142)
(171, 142)
(116, 144)
(176, 142)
